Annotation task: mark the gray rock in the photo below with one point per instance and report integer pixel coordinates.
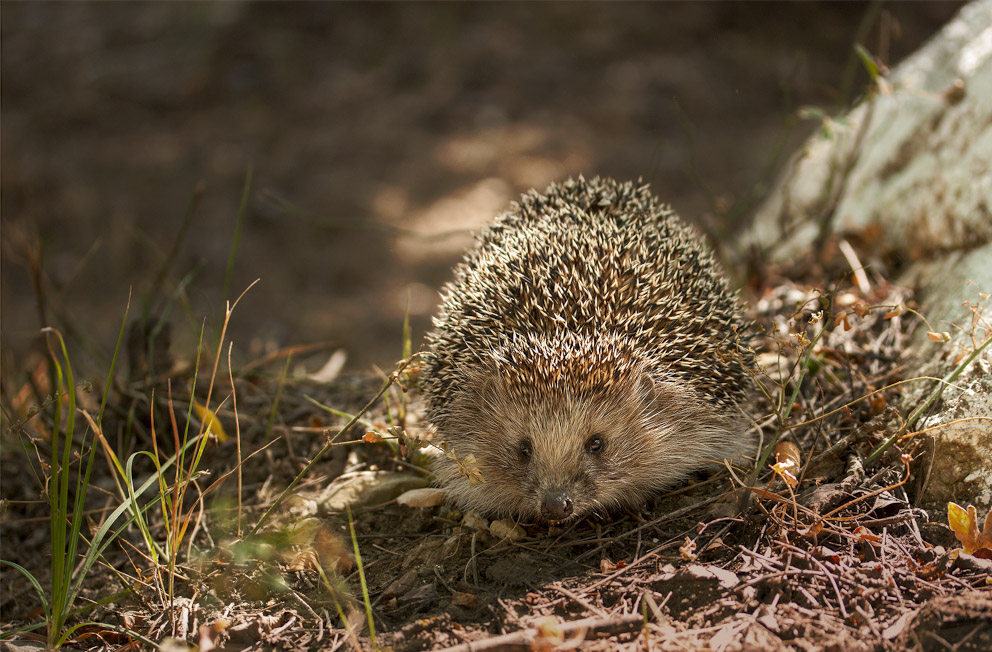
(910, 170)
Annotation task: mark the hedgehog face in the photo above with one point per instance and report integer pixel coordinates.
(573, 453)
(563, 455)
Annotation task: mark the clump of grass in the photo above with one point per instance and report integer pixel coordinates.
(73, 449)
(66, 496)
(158, 517)
(176, 510)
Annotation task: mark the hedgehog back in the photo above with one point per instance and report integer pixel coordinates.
(578, 285)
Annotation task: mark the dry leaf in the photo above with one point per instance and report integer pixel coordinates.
(426, 497)
(827, 554)
(468, 467)
(210, 421)
(688, 550)
(474, 521)
(864, 535)
(331, 369)
(787, 458)
(943, 336)
(507, 529)
(877, 403)
(332, 551)
(964, 523)
(464, 600)
(401, 585)
(787, 451)
(371, 437)
(551, 636)
(210, 634)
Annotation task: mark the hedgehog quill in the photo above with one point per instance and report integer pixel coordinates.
(586, 356)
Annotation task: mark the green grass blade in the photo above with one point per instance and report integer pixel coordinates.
(275, 401)
(189, 411)
(82, 477)
(931, 399)
(34, 582)
(104, 536)
(361, 578)
(365, 423)
(113, 361)
(242, 210)
(153, 548)
(59, 508)
(407, 341)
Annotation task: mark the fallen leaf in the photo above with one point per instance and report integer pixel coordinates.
(210, 421)
(877, 403)
(507, 529)
(210, 634)
(964, 523)
(827, 554)
(474, 521)
(332, 368)
(401, 585)
(464, 600)
(864, 535)
(896, 628)
(426, 497)
(787, 458)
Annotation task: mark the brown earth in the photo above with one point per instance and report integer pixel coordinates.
(842, 561)
(364, 123)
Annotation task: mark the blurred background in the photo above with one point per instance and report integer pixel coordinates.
(377, 136)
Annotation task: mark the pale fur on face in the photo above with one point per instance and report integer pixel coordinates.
(654, 433)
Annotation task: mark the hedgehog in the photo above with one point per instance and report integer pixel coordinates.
(587, 354)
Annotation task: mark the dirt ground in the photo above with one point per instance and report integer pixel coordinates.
(376, 135)
(368, 128)
(845, 559)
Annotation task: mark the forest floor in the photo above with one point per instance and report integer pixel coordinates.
(832, 553)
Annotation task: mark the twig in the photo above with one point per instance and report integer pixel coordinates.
(579, 599)
(525, 640)
(830, 577)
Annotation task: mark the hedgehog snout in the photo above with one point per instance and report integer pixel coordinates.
(556, 506)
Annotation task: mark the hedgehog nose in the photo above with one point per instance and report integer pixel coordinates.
(556, 506)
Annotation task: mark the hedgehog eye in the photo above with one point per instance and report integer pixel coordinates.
(595, 444)
(525, 450)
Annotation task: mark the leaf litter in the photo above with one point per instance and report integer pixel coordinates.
(818, 551)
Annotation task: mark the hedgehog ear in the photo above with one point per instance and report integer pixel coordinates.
(483, 387)
(646, 385)
(652, 389)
